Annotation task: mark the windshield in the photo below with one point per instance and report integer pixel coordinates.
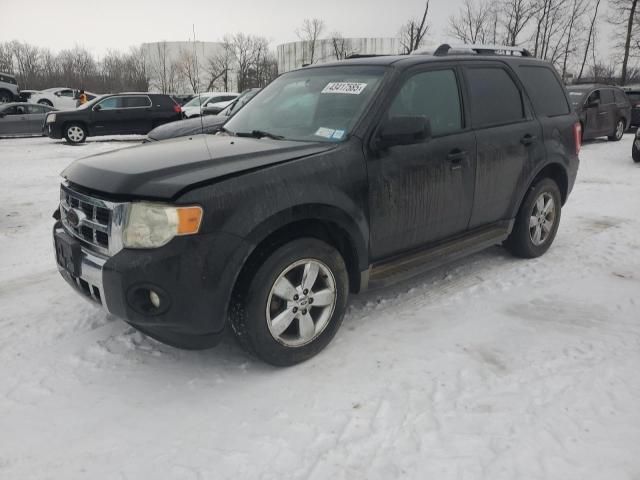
(317, 104)
(239, 103)
(197, 101)
(576, 97)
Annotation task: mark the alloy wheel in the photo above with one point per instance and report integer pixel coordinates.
(619, 129)
(542, 219)
(75, 133)
(301, 302)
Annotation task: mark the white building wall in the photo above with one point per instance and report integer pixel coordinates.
(296, 54)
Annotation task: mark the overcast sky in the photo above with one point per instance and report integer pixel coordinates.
(100, 25)
(118, 24)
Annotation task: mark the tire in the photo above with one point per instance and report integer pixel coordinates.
(6, 97)
(635, 153)
(75, 133)
(45, 102)
(524, 241)
(618, 132)
(256, 307)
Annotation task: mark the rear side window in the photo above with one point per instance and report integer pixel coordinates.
(620, 96)
(136, 102)
(433, 95)
(545, 91)
(7, 79)
(495, 98)
(607, 96)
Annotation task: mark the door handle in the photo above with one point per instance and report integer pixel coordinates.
(602, 113)
(456, 157)
(528, 139)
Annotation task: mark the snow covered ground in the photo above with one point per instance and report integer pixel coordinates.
(491, 368)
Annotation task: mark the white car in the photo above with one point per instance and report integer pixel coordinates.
(60, 98)
(193, 108)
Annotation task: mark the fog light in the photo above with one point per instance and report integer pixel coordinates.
(154, 298)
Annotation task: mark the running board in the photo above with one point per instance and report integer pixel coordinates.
(408, 266)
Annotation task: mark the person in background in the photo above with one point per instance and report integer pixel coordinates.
(82, 98)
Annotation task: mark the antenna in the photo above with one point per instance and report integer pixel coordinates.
(197, 74)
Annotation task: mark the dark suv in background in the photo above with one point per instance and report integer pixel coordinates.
(335, 178)
(118, 114)
(604, 110)
(633, 95)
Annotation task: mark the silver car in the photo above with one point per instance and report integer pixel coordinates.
(9, 90)
(22, 118)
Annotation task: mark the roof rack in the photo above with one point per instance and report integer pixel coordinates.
(446, 49)
(365, 55)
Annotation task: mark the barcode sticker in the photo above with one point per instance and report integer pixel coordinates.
(349, 88)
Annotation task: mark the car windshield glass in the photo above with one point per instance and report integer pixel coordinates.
(576, 98)
(314, 104)
(196, 101)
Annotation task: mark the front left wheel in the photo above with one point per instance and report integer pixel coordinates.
(75, 133)
(288, 309)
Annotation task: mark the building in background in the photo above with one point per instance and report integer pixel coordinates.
(297, 54)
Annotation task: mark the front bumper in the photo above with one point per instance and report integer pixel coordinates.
(193, 277)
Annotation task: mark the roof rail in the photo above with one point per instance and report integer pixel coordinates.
(446, 49)
(365, 55)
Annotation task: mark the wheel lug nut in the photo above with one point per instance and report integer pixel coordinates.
(305, 291)
(295, 297)
(304, 311)
(295, 309)
(310, 301)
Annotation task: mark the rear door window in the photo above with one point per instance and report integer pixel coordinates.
(494, 97)
(136, 102)
(607, 96)
(432, 94)
(545, 91)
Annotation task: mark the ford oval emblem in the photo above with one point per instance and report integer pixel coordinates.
(72, 218)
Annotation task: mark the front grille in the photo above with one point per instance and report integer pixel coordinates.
(90, 219)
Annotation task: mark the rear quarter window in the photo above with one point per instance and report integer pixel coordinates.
(495, 98)
(545, 91)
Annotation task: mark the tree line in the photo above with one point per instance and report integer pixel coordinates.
(242, 61)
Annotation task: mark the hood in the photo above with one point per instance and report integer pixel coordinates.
(161, 170)
(191, 126)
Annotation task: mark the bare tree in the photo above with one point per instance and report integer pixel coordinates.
(590, 38)
(516, 15)
(243, 49)
(189, 69)
(625, 17)
(220, 65)
(164, 69)
(6, 58)
(575, 15)
(413, 32)
(472, 24)
(341, 46)
(310, 33)
(27, 59)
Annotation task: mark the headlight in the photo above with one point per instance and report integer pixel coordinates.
(51, 118)
(152, 225)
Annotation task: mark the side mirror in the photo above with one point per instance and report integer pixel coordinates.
(593, 104)
(404, 130)
(97, 108)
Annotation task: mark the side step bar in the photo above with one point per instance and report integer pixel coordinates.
(411, 265)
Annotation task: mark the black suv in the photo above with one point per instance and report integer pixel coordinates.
(603, 110)
(118, 114)
(333, 179)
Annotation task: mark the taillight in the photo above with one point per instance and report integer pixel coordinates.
(176, 108)
(577, 136)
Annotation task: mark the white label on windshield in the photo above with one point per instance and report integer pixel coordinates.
(349, 88)
(324, 132)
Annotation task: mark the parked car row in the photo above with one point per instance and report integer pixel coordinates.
(213, 102)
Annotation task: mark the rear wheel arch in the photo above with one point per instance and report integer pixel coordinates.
(554, 171)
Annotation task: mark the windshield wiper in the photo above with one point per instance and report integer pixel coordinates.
(259, 134)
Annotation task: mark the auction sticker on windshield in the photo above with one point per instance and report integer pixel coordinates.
(349, 88)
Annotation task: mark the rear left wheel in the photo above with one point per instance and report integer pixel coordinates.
(537, 221)
(5, 97)
(45, 102)
(618, 132)
(290, 307)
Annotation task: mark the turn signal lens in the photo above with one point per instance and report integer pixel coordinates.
(189, 219)
(577, 136)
